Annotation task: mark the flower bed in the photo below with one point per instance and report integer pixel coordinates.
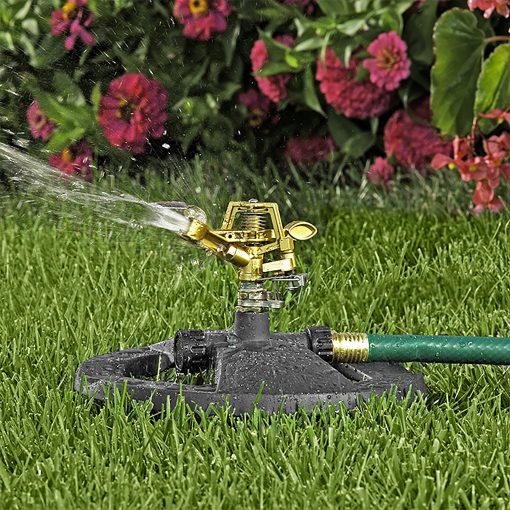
(305, 80)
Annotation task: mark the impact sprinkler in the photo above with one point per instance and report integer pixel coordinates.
(253, 365)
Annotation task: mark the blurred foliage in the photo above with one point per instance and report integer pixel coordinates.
(204, 78)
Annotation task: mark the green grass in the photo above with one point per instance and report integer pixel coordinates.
(70, 293)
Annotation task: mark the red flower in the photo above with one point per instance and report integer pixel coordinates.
(201, 18)
(347, 95)
(40, 126)
(411, 141)
(381, 172)
(132, 110)
(309, 150)
(257, 105)
(274, 87)
(75, 18)
(390, 64)
(74, 160)
(488, 6)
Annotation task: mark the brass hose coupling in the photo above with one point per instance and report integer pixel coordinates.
(336, 347)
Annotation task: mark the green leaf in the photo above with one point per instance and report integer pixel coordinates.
(418, 33)
(95, 96)
(351, 140)
(229, 41)
(493, 90)
(228, 90)
(391, 19)
(67, 89)
(276, 50)
(343, 48)
(314, 43)
(62, 138)
(271, 68)
(410, 91)
(66, 116)
(459, 51)
(352, 26)
(292, 61)
(48, 52)
(309, 92)
(357, 145)
(336, 7)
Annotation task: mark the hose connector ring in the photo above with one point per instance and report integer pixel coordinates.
(349, 347)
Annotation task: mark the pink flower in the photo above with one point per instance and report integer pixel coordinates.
(497, 147)
(498, 114)
(133, 109)
(381, 172)
(485, 167)
(309, 150)
(471, 166)
(274, 87)
(484, 197)
(347, 95)
(257, 105)
(201, 18)
(75, 18)
(488, 6)
(40, 126)
(411, 141)
(390, 64)
(74, 160)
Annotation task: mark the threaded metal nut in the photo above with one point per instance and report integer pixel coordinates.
(349, 347)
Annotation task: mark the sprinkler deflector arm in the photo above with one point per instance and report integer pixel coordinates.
(359, 347)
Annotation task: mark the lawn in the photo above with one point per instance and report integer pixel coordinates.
(69, 293)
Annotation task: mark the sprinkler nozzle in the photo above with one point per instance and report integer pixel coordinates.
(201, 234)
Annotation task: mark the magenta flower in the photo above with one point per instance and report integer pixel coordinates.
(411, 140)
(257, 105)
(40, 126)
(309, 150)
(390, 64)
(381, 172)
(74, 18)
(345, 93)
(274, 87)
(201, 18)
(74, 160)
(132, 110)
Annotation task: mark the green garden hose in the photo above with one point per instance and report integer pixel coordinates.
(359, 347)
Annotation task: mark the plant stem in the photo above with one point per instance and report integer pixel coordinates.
(497, 38)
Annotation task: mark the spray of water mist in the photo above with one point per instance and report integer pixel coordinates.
(36, 178)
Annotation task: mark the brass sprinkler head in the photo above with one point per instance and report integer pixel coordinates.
(253, 238)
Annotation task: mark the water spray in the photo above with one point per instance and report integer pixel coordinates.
(253, 365)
